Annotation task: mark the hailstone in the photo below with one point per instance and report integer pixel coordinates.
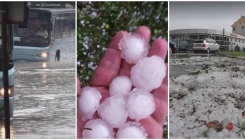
(133, 48)
(88, 102)
(120, 85)
(98, 128)
(148, 73)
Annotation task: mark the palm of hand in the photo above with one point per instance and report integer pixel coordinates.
(112, 65)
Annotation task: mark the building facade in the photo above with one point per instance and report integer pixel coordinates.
(228, 41)
(239, 26)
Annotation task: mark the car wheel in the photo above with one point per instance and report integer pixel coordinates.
(170, 51)
(208, 51)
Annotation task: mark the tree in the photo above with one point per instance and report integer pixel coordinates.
(98, 22)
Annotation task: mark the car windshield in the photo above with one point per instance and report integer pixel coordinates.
(35, 32)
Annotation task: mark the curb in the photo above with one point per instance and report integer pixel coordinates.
(233, 57)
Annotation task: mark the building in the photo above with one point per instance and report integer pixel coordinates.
(239, 26)
(226, 40)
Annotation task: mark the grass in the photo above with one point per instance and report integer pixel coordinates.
(234, 54)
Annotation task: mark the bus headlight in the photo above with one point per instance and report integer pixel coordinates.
(44, 55)
(10, 91)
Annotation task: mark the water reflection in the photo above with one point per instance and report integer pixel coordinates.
(44, 64)
(44, 79)
(2, 133)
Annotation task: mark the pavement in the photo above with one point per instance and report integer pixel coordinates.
(177, 70)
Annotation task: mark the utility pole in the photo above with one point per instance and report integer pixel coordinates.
(224, 39)
(5, 43)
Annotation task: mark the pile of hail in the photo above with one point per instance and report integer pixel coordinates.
(130, 98)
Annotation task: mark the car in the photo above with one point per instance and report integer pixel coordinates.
(208, 45)
(183, 48)
(172, 47)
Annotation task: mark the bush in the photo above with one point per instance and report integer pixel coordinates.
(98, 22)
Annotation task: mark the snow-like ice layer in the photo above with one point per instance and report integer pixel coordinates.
(131, 130)
(216, 97)
(140, 104)
(114, 111)
(148, 73)
(120, 85)
(98, 128)
(133, 48)
(88, 102)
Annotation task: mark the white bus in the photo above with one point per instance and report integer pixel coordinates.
(45, 29)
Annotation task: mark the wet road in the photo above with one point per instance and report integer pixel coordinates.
(183, 68)
(44, 101)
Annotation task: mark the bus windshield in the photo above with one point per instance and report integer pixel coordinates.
(36, 31)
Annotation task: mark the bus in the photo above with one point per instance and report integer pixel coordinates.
(45, 30)
(10, 73)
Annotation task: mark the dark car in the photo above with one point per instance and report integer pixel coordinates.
(172, 47)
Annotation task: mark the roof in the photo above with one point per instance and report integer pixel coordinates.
(54, 10)
(203, 31)
(240, 21)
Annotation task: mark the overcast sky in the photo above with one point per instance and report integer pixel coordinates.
(205, 15)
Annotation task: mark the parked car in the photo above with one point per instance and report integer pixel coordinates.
(208, 45)
(183, 48)
(172, 47)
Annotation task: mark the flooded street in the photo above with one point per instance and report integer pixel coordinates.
(44, 101)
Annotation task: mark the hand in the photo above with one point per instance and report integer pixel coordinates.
(104, 74)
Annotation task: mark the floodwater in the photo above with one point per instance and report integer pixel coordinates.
(44, 101)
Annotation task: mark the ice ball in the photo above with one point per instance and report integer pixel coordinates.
(131, 130)
(148, 73)
(120, 85)
(88, 102)
(133, 48)
(113, 110)
(98, 128)
(140, 104)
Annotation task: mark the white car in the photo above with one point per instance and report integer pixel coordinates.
(207, 45)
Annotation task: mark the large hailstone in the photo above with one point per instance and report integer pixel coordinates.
(140, 104)
(131, 130)
(98, 128)
(113, 110)
(120, 85)
(133, 48)
(148, 73)
(88, 102)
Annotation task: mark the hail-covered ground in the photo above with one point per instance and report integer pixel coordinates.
(208, 101)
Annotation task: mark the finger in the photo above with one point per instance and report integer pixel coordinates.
(159, 47)
(145, 33)
(109, 65)
(153, 129)
(78, 87)
(161, 102)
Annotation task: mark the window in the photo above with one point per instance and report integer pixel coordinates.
(235, 39)
(239, 40)
(65, 25)
(234, 29)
